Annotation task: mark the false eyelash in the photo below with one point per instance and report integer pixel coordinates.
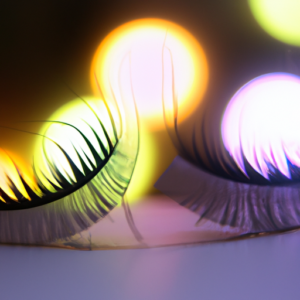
(82, 202)
(63, 186)
(252, 208)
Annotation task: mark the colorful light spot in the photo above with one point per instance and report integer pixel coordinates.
(152, 44)
(261, 122)
(280, 18)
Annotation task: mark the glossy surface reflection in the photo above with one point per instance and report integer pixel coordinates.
(259, 268)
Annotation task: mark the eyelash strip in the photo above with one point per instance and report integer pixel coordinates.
(62, 185)
(79, 204)
(252, 208)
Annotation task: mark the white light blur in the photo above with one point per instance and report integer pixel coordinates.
(262, 122)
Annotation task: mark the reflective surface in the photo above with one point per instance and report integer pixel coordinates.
(156, 221)
(259, 268)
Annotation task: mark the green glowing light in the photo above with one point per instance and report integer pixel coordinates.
(279, 18)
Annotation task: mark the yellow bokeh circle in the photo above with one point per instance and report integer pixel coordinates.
(279, 18)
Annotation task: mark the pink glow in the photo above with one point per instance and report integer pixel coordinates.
(262, 121)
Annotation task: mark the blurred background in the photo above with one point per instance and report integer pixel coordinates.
(46, 45)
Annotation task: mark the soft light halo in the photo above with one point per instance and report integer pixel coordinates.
(279, 18)
(143, 40)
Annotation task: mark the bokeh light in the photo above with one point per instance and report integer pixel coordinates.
(12, 166)
(152, 44)
(8, 171)
(262, 122)
(280, 18)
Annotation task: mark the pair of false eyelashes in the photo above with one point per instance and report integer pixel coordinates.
(71, 206)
